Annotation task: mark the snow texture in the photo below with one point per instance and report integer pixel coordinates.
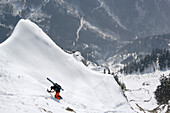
(29, 56)
(140, 90)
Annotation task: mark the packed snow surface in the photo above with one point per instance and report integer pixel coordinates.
(29, 56)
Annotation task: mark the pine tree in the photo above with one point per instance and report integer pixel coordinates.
(162, 93)
(158, 57)
(104, 71)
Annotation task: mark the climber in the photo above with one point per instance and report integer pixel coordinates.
(55, 88)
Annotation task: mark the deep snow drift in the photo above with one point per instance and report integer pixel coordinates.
(29, 56)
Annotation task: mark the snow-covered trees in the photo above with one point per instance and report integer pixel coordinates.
(162, 93)
(158, 58)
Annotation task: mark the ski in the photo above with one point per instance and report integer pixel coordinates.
(51, 81)
(54, 83)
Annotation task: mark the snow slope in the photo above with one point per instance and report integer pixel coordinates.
(29, 56)
(140, 91)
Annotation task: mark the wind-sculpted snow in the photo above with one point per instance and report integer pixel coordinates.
(29, 56)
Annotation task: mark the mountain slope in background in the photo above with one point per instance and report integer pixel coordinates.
(29, 56)
(98, 28)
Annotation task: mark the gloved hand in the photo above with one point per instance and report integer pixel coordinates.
(48, 91)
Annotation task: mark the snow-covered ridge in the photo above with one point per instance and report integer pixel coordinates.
(29, 56)
(28, 30)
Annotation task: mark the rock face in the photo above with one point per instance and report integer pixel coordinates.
(97, 28)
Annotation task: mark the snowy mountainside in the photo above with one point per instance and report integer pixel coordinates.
(140, 90)
(96, 28)
(29, 56)
(138, 48)
(139, 87)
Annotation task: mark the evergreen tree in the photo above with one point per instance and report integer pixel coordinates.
(162, 93)
(158, 56)
(104, 71)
